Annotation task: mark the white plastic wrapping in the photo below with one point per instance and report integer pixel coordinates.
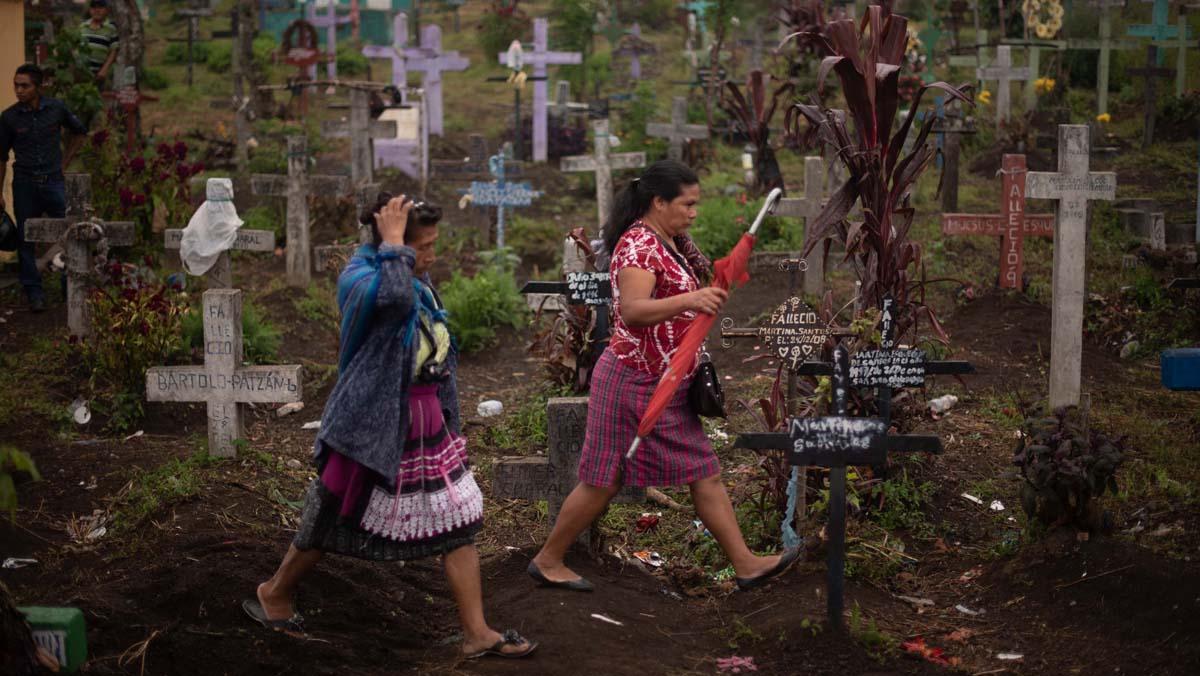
(212, 229)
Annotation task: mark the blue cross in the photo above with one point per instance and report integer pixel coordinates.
(500, 193)
(1159, 30)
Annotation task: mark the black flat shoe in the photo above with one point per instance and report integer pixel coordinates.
(580, 585)
(789, 557)
(292, 626)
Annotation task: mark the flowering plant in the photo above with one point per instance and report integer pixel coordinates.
(137, 323)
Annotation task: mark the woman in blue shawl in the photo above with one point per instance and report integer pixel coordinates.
(394, 482)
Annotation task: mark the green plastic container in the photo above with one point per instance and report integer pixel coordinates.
(61, 632)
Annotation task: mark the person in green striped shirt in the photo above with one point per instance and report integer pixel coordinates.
(100, 40)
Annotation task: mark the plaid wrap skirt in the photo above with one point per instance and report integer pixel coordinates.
(677, 450)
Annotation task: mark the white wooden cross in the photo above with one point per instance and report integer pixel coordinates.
(1073, 186)
(563, 106)
(678, 131)
(220, 275)
(78, 230)
(603, 163)
(222, 382)
(297, 186)
(539, 57)
(362, 131)
(1002, 71)
(808, 208)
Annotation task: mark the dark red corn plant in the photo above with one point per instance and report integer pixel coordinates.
(753, 112)
(880, 176)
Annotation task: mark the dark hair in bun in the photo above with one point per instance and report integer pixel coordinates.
(423, 215)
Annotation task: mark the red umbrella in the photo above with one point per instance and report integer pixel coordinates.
(728, 273)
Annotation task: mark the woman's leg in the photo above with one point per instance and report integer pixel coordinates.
(276, 594)
(462, 572)
(716, 511)
(579, 510)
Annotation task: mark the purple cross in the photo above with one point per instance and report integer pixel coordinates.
(428, 59)
(539, 57)
(329, 22)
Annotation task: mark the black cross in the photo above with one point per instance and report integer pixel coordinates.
(835, 442)
(1185, 283)
(583, 288)
(1151, 73)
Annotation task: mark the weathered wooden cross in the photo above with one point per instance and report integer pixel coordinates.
(1004, 73)
(1072, 186)
(836, 442)
(677, 131)
(300, 49)
(296, 187)
(632, 45)
(222, 382)
(1150, 74)
(1104, 45)
(603, 163)
(952, 126)
(540, 57)
(808, 208)
(362, 132)
(129, 99)
(192, 14)
(552, 476)
(78, 231)
(220, 275)
(1012, 224)
(501, 193)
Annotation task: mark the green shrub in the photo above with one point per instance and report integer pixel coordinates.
(723, 220)
(177, 53)
(260, 338)
(501, 24)
(478, 305)
(265, 217)
(14, 464)
(264, 51)
(538, 240)
(220, 57)
(136, 325)
(155, 79)
(350, 62)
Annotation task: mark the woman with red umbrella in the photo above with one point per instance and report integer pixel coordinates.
(658, 279)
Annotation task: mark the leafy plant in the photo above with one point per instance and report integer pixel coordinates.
(14, 465)
(566, 342)
(478, 305)
(502, 23)
(1065, 466)
(867, 61)
(753, 113)
(136, 325)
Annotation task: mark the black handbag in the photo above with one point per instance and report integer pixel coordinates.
(705, 395)
(9, 237)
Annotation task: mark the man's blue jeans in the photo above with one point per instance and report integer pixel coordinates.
(35, 197)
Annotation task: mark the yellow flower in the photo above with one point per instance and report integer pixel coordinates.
(1044, 85)
(985, 97)
(1104, 118)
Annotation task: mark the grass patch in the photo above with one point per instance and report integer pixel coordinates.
(151, 491)
(319, 303)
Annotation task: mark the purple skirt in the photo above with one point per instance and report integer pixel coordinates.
(676, 452)
(435, 505)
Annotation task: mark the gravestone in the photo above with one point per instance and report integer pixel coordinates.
(632, 45)
(808, 208)
(1004, 73)
(1104, 47)
(79, 232)
(1161, 33)
(1150, 74)
(128, 99)
(602, 163)
(794, 332)
(540, 57)
(553, 476)
(220, 275)
(427, 59)
(1072, 186)
(192, 14)
(1012, 224)
(1158, 231)
(408, 149)
(296, 187)
(222, 383)
(838, 441)
(362, 132)
(330, 22)
(678, 131)
(501, 193)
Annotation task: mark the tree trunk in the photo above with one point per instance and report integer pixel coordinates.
(128, 20)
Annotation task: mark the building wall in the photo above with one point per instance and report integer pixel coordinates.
(12, 54)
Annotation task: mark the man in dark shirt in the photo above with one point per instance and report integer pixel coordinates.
(31, 129)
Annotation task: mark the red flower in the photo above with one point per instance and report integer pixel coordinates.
(139, 200)
(180, 150)
(99, 137)
(137, 165)
(183, 171)
(197, 168)
(126, 196)
(165, 150)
